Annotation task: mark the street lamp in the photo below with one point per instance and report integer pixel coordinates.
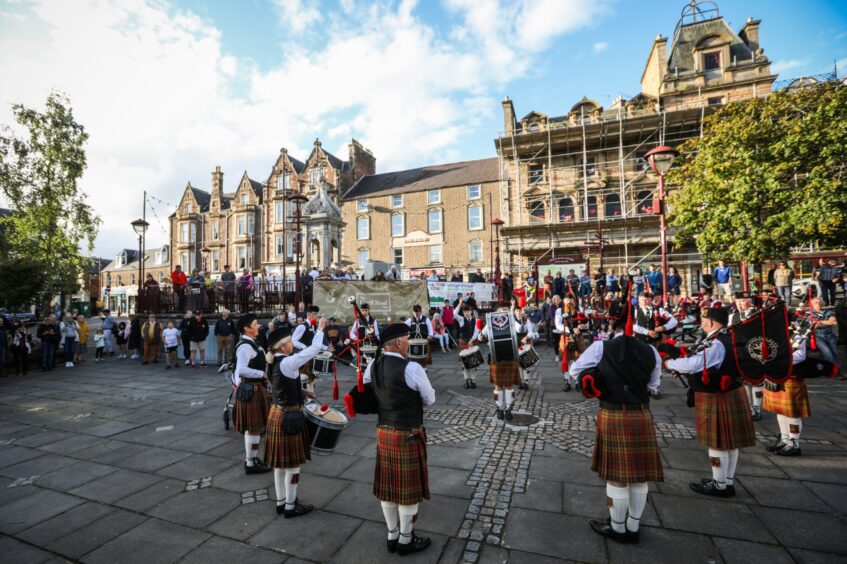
(140, 227)
(661, 158)
(298, 199)
(496, 223)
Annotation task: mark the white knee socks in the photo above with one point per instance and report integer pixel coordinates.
(732, 463)
(524, 375)
(795, 427)
(469, 374)
(782, 421)
(498, 398)
(637, 502)
(510, 398)
(720, 462)
(251, 447)
(407, 518)
(292, 478)
(392, 518)
(279, 485)
(618, 499)
(758, 393)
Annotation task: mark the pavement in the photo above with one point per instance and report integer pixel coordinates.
(119, 462)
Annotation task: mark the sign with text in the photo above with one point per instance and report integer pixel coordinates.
(387, 300)
(439, 290)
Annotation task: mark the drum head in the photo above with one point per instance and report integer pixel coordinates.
(330, 418)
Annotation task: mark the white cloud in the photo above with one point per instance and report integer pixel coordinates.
(780, 67)
(164, 103)
(599, 47)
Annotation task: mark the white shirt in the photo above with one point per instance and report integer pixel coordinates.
(669, 324)
(714, 355)
(243, 355)
(461, 319)
(354, 330)
(290, 365)
(415, 377)
(430, 332)
(298, 334)
(171, 337)
(594, 353)
(799, 355)
(433, 278)
(314, 274)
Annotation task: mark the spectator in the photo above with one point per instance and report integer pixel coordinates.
(824, 321)
(393, 274)
(508, 287)
(151, 333)
(674, 282)
(470, 301)
(198, 330)
(180, 283)
(559, 285)
(291, 317)
(572, 281)
(379, 276)
(82, 342)
(351, 274)
(224, 330)
(120, 338)
(195, 286)
(449, 319)
(5, 334)
(228, 281)
(170, 338)
(771, 284)
(638, 282)
(600, 284)
(456, 277)
(828, 275)
(108, 326)
(477, 277)
(245, 290)
(549, 310)
(654, 280)
(314, 273)
(48, 333)
(612, 284)
(723, 280)
(433, 277)
(783, 279)
(99, 344)
(134, 336)
(150, 282)
(584, 285)
(21, 349)
(440, 332)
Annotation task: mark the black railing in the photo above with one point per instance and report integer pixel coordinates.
(264, 297)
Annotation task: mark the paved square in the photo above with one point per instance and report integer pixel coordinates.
(112, 464)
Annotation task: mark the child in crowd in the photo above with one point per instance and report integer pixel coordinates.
(99, 344)
(120, 339)
(170, 338)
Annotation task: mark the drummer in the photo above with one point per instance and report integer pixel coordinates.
(288, 439)
(421, 328)
(361, 333)
(468, 333)
(302, 338)
(525, 331)
(504, 374)
(250, 415)
(401, 477)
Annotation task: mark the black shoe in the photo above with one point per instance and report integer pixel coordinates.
(633, 537)
(499, 414)
(710, 488)
(729, 487)
(567, 386)
(298, 511)
(756, 415)
(509, 414)
(145, 362)
(605, 528)
(391, 545)
(578, 387)
(791, 448)
(779, 445)
(418, 544)
(473, 385)
(257, 468)
(280, 509)
(656, 395)
(467, 384)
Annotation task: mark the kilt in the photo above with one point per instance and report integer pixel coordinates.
(793, 401)
(723, 419)
(252, 416)
(504, 373)
(281, 450)
(625, 448)
(401, 474)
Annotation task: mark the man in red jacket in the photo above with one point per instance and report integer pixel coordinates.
(180, 283)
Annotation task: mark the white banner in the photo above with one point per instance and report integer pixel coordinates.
(438, 291)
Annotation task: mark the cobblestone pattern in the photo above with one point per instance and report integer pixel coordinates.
(198, 484)
(254, 495)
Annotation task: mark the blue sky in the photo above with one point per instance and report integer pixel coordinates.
(170, 88)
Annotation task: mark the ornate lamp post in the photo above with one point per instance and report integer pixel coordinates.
(661, 158)
(496, 223)
(298, 199)
(140, 227)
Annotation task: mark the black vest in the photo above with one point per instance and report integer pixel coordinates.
(419, 328)
(258, 362)
(626, 366)
(399, 405)
(648, 322)
(519, 329)
(308, 335)
(466, 330)
(362, 329)
(287, 391)
(728, 367)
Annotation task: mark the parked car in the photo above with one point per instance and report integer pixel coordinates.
(24, 316)
(800, 289)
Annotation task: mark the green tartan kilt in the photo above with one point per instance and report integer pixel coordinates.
(625, 447)
(281, 450)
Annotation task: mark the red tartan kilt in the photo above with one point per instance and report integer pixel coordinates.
(724, 421)
(401, 474)
(252, 416)
(793, 401)
(505, 373)
(281, 450)
(625, 447)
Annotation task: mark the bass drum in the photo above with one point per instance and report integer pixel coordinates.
(502, 340)
(324, 428)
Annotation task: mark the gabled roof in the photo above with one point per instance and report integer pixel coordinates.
(203, 198)
(298, 166)
(425, 178)
(689, 35)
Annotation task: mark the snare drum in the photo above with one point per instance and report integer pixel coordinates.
(323, 364)
(368, 352)
(324, 428)
(502, 341)
(527, 357)
(471, 358)
(418, 348)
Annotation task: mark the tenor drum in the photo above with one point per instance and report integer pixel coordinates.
(324, 428)
(418, 348)
(471, 357)
(528, 357)
(368, 352)
(502, 341)
(323, 364)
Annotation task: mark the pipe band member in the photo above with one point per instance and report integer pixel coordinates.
(250, 414)
(302, 338)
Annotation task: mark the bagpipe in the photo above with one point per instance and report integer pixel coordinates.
(815, 365)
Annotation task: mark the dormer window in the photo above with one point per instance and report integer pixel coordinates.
(361, 206)
(283, 182)
(188, 208)
(712, 61)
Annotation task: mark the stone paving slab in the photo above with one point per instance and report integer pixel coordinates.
(152, 542)
(40, 505)
(95, 534)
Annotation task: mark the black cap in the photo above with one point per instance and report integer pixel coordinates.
(392, 332)
(278, 335)
(244, 321)
(742, 295)
(364, 306)
(313, 309)
(717, 314)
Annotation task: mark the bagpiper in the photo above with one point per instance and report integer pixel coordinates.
(357, 331)
(755, 392)
(651, 323)
(250, 413)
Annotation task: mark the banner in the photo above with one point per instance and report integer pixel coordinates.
(388, 300)
(438, 291)
(763, 348)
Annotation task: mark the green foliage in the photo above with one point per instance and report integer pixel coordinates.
(767, 175)
(51, 224)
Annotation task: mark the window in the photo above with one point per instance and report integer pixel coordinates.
(250, 224)
(119, 280)
(712, 61)
(363, 228)
(397, 201)
(161, 277)
(613, 206)
(536, 211)
(245, 199)
(398, 256)
(641, 162)
(290, 212)
(433, 197)
(645, 202)
(283, 181)
(279, 212)
(434, 221)
(435, 254)
(280, 245)
(716, 101)
(566, 212)
(475, 251)
(361, 206)
(536, 173)
(289, 246)
(315, 176)
(188, 208)
(215, 230)
(397, 225)
(193, 232)
(242, 257)
(216, 261)
(474, 192)
(592, 206)
(242, 225)
(186, 264)
(131, 279)
(183, 233)
(590, 169)
(474, 218)
(363, 257)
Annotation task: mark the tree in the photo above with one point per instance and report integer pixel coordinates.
(767, 175)
(50, 220)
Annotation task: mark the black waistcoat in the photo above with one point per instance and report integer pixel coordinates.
(362, 329)
(626, 366)
(729, 367)
(287, 391)
(258, 362)
(419, 328)
(399, 405)
(466, 330)
(308, 335)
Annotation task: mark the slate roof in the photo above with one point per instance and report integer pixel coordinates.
(203, 198)
(298, 166)
(687, 37)
(425, 178)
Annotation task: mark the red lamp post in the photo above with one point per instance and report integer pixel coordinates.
(661, 158)
(496, 223)
(298, 199)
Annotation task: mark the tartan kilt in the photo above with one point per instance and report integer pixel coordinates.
(724, 421)
(504, 373)
(401, 475)
(252, 416)
(793, 401)
(625, 447)
(281, 450)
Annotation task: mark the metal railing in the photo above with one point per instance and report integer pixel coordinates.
(265, 297)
